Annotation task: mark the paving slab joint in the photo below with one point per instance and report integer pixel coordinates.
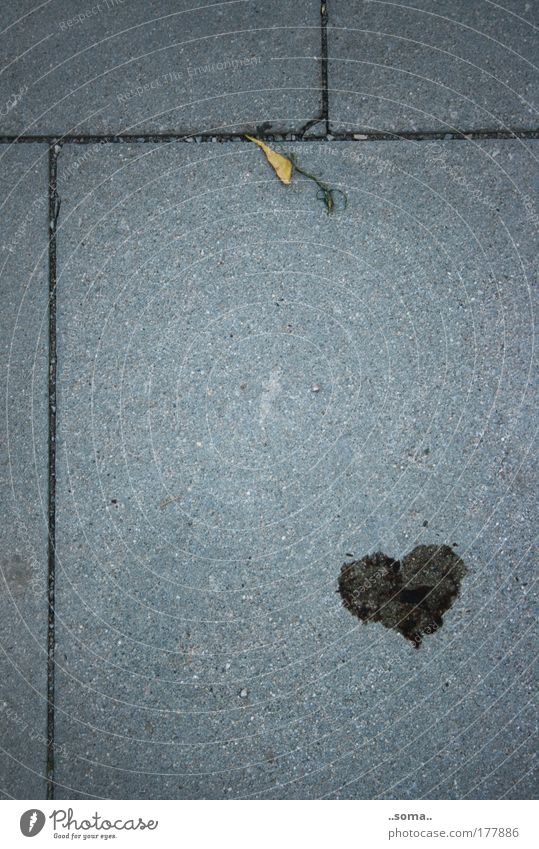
(52, 224)
(295, 136)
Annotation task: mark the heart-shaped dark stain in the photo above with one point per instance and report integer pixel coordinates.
(410, 596)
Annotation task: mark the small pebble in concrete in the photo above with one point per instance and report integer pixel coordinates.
(243, 693)
(411, 596)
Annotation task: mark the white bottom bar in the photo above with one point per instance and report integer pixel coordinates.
(260, 824)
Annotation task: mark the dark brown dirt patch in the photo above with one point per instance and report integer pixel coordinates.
(411, 596)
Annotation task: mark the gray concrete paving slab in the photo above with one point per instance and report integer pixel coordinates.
(129, 66)
(23, 478)
(442, 65)
(250, 393)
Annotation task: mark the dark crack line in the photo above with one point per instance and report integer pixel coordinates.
(296, 136)
(54, 208)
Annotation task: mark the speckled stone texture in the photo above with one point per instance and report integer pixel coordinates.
(208, 496)
(441, 65)
(23, 470)
(170, 66)
(251, 393)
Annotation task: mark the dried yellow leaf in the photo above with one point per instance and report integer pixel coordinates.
(283, 167)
